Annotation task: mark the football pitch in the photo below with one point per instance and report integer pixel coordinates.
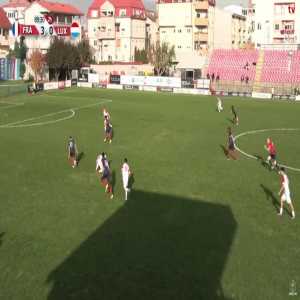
(196, 225)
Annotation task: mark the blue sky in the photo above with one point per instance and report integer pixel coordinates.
(83, 5)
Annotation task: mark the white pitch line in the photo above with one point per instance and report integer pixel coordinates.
(261, 131)
(42, 123)
(10, 104)
(73, 109)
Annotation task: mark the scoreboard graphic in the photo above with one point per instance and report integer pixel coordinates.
(43, 26)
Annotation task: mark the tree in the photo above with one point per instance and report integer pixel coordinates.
(55, 56)
(22, 69)
(37, 64)
(63, 57)
(140, 56)
(161, 56)
(85, 53)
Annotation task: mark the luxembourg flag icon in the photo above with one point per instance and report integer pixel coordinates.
(75, 30)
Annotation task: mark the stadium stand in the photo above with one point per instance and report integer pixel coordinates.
(275, 71)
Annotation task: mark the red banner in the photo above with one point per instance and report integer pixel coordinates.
(28, 30)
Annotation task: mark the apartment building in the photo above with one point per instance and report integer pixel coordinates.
(116, 28)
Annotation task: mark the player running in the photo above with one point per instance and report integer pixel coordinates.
(219, 105)
(125, 170)
(106, 177)
(231, 153)
(72, 152)
(235, 119)
(271, 159)
(108, 130)
(99, 164)
(105, 113)
(284, 193)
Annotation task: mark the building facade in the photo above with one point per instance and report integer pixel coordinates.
(188, 26)
(277, 22)
(45, 20)
(116, 28)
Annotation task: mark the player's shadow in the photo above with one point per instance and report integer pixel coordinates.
(270, 196)
(230, 121)
(131, 181)
(1, 237)
(113, 179)
(261, 160)
(224, 149)
(80, 157)
(154, 247)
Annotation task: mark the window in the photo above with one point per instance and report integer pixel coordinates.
(95, 43)
(276, 26)
(122, 12)
(258, 26)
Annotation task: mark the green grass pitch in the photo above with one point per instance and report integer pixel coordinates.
(196, 226)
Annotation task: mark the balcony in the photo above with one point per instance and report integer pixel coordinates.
(201, 36)
(201, 21)
(203, 5)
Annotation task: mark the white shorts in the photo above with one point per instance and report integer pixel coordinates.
(125, 182)
(286, 197)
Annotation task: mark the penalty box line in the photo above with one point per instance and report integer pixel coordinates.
(72, 110)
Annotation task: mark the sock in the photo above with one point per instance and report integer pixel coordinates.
(293, 213)
(281, 210)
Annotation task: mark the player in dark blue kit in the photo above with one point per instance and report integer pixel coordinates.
(72, 152)
(231, 153)
(108, 130)
(106, 177)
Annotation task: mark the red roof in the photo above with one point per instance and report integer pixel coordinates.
(60, 8)
(4, 22)
(137, 4)
(16, 3)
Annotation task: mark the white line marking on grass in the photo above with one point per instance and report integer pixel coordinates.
(17, 125)
(261, 131)
(20, 124)
(10, 104)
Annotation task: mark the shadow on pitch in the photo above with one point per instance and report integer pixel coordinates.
(80, 157)
(230, 121)
(1, 237)
(261, 160)
(270, 196)
(154, 247)
(113, 179)
(224, 149)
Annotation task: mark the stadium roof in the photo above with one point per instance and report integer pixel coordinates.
(4, 22)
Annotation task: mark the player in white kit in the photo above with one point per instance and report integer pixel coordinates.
(219, 105)
(106, 114)
(99, 164)
(284, 193)
(125, 170)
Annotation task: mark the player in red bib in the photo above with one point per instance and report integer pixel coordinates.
(270, 147)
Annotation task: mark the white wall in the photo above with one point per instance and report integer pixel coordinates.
(222, 29)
